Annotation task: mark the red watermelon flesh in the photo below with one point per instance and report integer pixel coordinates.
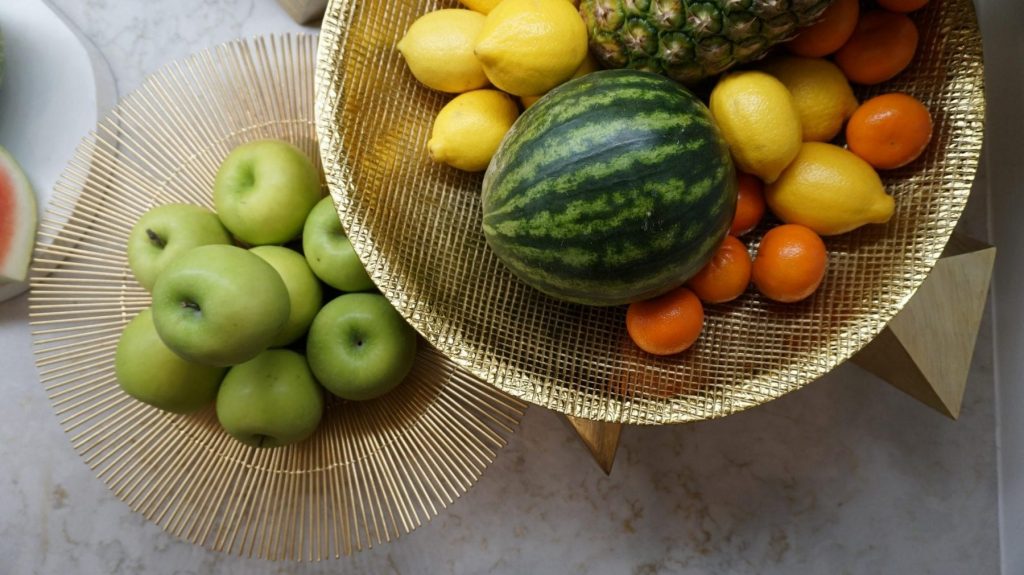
(18, 220)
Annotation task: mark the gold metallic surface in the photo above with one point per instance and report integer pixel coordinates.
(416, 225)
(373, 470)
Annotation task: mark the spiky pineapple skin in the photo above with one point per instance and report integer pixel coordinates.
(689, 40)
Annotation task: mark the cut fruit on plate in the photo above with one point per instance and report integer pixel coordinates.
(18, 222)
(77, 86)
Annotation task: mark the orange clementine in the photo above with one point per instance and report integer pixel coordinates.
(726, 276)
(790, 263)
(902, 5)
(829, 33)
(882, 46)
(889, 131)
(749, 204)
(667, 324)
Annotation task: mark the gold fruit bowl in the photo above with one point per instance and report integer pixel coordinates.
(417, 227)
(372, 471)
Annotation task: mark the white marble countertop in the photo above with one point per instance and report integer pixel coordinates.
(845, 476)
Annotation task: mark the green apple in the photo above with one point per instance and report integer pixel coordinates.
(149, 371)
(270, 400)
(219, 305)
(329, 251)
(167, 231)
(264, 190)
(304, 292)
(359, 347)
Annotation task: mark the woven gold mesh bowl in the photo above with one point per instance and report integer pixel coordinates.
(372, 471)
(417, 226)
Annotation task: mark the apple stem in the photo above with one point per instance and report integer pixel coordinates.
(190, 304)
(155, 238)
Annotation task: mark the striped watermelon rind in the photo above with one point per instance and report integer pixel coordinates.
(613, 188)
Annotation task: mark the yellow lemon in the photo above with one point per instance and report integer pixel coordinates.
(481, 6)
(830, 190)
(528, 47)
(758, 119)
(529, 100)
(485, 6)
(468, 130)
(821, 92)
(438, 48)
(589, 65)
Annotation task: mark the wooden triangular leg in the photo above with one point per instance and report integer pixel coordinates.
(600, 437)
(926, 349)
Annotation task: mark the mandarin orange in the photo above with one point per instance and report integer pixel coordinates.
(667, 324)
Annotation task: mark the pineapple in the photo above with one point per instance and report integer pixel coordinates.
(689, 40)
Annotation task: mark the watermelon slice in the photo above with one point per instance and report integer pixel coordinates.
(18, 221)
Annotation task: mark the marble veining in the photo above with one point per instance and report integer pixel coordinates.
(847, 476)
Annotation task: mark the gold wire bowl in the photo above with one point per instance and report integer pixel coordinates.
(416, 225)
(372, 471)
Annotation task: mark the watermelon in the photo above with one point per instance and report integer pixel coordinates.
(612, 188)
(17, 221)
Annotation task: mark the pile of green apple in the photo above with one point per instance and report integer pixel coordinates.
(247, 327)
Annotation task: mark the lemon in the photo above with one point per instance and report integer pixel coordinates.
(529, 100)
(528, 47)
(821, 92)
(589, 65)
(438, 48)
(468, 129)
(485, 6)
(481, 6)
(830, 190)
(758, 119)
